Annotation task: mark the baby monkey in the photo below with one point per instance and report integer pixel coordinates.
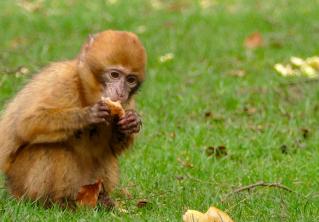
(58, 134)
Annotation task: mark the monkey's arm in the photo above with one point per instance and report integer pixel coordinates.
(120, 142)
(124, 131)
(52, 124)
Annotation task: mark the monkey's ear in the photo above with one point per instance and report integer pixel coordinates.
(86, 46)
(90, 40)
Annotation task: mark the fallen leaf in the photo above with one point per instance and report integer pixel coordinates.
(250, 110)
(308, 71)
(156, 4)
(126, 193)
(284, 149)
(168, 24)
(172, 135)
(165, 58)
(212, 215)
(296, 61)
(237, 73)
(141, 29)
(254, 40)
(112, 2)
(218, 151)
(31, 6)
(208, 114)
(177, 6)
(141, 203)
(313, 62)
(17, 42)
(213, 116)
(88, 194)
(299, 67)
(305, 133)
(205, 4)
(122, 210)
(300, 144)
(185, 163)
(257, 128)
(22, 70)
(180, 177)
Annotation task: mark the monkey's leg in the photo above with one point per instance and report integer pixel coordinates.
(109, 173)
(48, 173)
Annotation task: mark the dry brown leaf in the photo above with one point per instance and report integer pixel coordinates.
(218, 151)
(88, 194)
(178, 177)
(212, 215)
(169, 24)
(185, 163)
(305, 133)
(126, 193)
(31, 6)
(257, 128)
(141, 203)
(284, 149)
(250, 110)
(254, 40)
(208, 114)
(18, 42)
(237, 73)
(172, 135)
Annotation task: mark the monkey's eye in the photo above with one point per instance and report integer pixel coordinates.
(131, 79)
(114, 74)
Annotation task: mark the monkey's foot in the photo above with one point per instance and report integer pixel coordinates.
(106, 202)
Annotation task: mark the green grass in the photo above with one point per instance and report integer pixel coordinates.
(208, 46)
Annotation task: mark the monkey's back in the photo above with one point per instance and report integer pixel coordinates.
(36, 93)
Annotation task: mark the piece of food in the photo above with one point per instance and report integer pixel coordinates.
(284, 70)
(212, 215)
(115, 107)
(313, 62)
(89, 194)
(296, 61)
(193, 215)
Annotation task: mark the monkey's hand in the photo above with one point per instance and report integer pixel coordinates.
(99, 113)
(130, 123)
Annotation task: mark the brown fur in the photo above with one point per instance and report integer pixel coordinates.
(48, 149)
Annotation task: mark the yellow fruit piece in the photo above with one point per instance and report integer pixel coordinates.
(212, 215)
(313, 62)
(296, 61)
(284, 70)
(308, 71)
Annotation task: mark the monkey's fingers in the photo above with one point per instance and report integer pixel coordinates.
(131, 131)
(103, 114)
(127, 119)
(98, 120)
(104, 108)
(130, 125)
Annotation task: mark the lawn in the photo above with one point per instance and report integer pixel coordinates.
(210, 91)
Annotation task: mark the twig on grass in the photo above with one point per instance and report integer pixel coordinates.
(198, 180)
(293, 83)
(258, 184)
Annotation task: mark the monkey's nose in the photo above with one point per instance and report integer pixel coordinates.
(119, 93)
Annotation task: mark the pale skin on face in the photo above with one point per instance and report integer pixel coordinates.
(119, 83)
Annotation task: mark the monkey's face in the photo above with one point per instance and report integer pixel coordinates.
(116, 61)
(119, 83)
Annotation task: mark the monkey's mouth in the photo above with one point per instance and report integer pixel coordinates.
(115, 98)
